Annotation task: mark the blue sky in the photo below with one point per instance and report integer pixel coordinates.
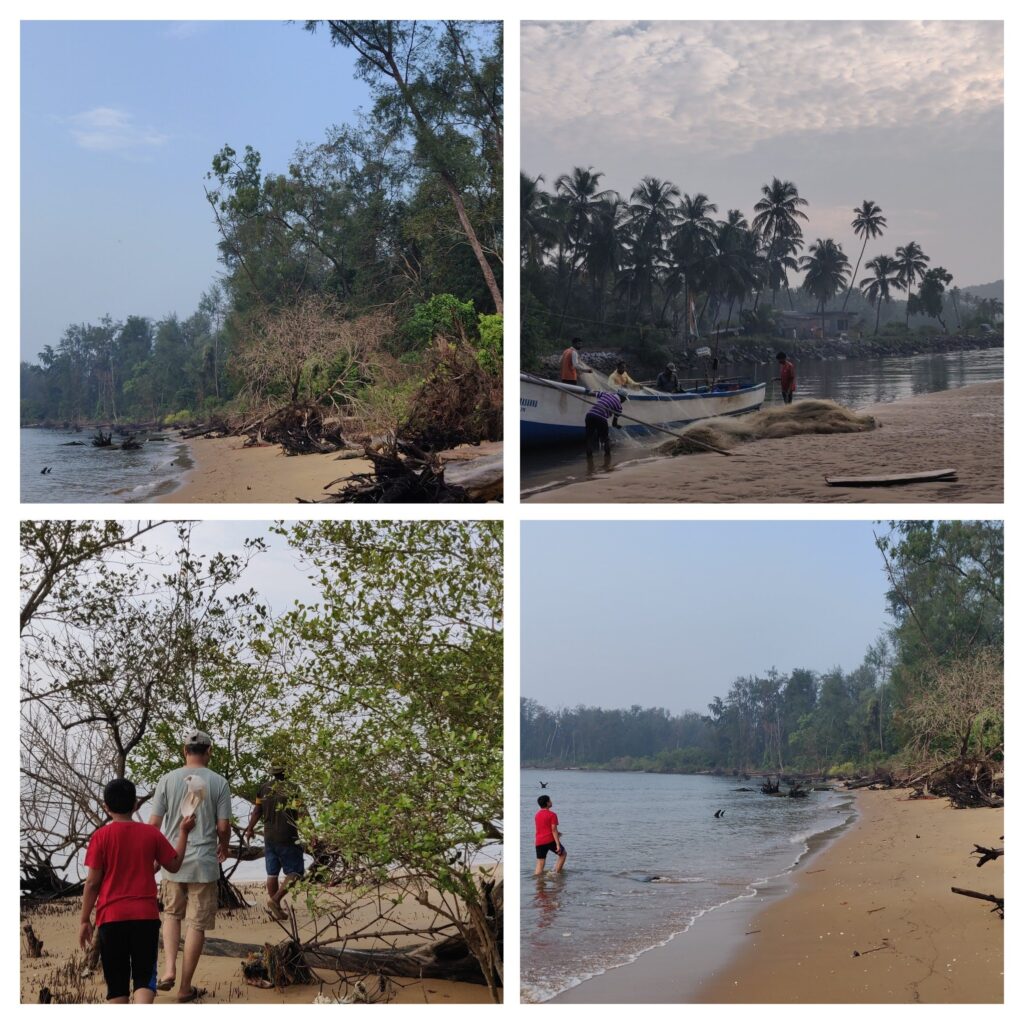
(119, 123)
(668, 614)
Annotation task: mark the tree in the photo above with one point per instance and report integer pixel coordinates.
(911, 263)
(777, 217)
(692, 244)
(929, 297)
(399, 60)
(867, 222)
(878, 287)
(826, 268)
(397, 722)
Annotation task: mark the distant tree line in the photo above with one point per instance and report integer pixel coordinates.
(384, 216)
(660, 263)
(928, 687)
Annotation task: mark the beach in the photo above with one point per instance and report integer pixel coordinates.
(57, 926)
(225, 471)
(880, 887)
(960, 429)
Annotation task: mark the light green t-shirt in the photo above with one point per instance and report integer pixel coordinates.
(200, 864)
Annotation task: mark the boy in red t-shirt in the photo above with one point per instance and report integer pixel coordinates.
(547, 837)
(787, 376)
(121, 886)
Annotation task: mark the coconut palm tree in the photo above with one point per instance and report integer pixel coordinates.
(912, 263)
(867, 222)
(580, 192)
(826, 269)
(693, 240)
(878, 287)
(777, 216)
(653, 213)
(537, 228)
(604, 252)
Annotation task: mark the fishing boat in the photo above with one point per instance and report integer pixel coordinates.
(550, 412)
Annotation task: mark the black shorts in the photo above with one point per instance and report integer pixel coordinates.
(543, 851)
(128, 951)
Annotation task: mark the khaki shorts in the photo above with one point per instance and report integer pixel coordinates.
(195, 902)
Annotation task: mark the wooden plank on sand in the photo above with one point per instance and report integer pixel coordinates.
(887, 479)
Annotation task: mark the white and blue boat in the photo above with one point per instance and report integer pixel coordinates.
(550, 412)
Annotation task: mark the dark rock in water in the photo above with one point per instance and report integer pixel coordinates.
(69, 444)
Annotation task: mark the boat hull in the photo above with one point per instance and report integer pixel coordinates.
(549, 415)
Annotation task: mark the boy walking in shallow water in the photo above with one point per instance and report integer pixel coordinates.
(547, 838)
(120, 885)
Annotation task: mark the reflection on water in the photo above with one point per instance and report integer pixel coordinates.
(854, 383)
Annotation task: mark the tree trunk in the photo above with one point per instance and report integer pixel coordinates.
(855, 269)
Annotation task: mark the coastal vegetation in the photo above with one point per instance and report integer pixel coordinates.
(334, 267)
(382, 693)
(665, 268)
(927, 693)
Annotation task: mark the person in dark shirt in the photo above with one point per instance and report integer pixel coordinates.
(276, 804)
(668, 381)
(787, 377)
(605, 405)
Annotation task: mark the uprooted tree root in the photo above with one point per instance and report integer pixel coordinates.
(458, 403)
(300, 429)
(810, 416)
(402, 472)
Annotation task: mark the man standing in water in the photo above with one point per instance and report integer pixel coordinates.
(192, 894)
(596, 421)
(787, 377)
(547, 838)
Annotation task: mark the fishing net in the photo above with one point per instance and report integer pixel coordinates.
(811, 416)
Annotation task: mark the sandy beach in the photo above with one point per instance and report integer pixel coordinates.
(961, 429)
(225, 471)
(881, 888)
(59, 968)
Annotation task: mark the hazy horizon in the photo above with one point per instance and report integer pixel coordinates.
(906, 114)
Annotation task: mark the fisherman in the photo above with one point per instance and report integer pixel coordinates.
(276, 804)
(668, 381)
(619, 378)
(120, 885)
(571, 364)
(547, 837)
(192, 895)
(787, 377)
(596, 421)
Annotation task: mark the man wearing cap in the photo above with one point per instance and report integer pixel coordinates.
(668, 381)
(192, 894)
(277, 805)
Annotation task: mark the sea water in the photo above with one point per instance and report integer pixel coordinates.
(647, 858)
(82, 473)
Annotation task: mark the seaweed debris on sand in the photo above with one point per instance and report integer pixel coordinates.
(810, 416)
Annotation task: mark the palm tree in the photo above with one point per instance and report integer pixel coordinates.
(826, 266)
(604, 252)
(692, 242)
(537, 228)
(912, 263)
(877, 288)
(777, 216)
(580, 193)
(653, 213)
(867, 223)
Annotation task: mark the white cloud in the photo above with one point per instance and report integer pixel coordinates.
(112, 130)
(727, 86)
(185, 29)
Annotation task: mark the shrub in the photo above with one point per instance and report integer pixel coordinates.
(490, 348)
(439, 315)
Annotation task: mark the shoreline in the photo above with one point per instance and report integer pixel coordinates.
(881, 885)
(960, 428)
(714, 936)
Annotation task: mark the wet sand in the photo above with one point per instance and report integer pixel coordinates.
(221, 976)
(882, 886)
(961, 429)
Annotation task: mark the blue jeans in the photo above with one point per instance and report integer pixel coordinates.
(286, 857)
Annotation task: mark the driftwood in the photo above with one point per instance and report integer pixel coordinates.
(987, 853)
(300, 429)
(482, 479)
(988, 897)
(890, 479)
(448, 959)
(32, 946)
(101, 440)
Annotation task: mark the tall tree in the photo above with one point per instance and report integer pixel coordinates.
(826, 269)
(878, 287)
(777, 216)
(912, 263)
(867, 222)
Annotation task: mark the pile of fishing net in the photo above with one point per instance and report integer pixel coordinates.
(810, 416)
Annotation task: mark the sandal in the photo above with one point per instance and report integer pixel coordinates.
(192, 995)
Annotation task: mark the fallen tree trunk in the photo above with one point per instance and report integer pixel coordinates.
(988, 897)
(987, 853)
(447, 960)
(482, 479)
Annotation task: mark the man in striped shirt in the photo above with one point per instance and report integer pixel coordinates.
(605, 405)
